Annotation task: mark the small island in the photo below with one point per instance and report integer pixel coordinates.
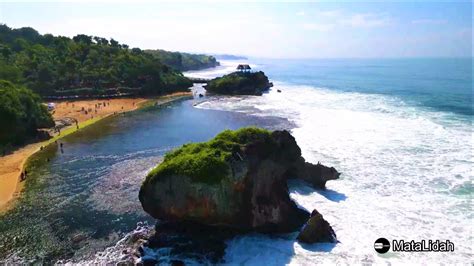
(234, 183)
(242, 82)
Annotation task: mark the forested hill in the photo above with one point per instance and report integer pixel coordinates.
(84, 65)
(184, 61)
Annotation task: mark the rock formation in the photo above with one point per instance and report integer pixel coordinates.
(240, 83)
(236, 180)
(317, 230)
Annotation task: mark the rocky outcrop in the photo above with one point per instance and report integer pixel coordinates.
(316, 175)
(240, 83)
(317, 230)
(237, 180)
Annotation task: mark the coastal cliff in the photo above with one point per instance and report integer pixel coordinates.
(237, 180)
(240, 83)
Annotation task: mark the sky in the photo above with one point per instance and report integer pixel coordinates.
(269, 29)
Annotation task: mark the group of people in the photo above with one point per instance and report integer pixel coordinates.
(96, 107)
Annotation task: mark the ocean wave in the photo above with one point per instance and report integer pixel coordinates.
(226, 67)
(405, 171)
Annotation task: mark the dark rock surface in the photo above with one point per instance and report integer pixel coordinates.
(248, 192)
(317, 230)
(240, 83)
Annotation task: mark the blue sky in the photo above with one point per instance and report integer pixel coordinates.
(277, 30)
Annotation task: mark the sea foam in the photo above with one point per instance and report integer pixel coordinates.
(407, 174)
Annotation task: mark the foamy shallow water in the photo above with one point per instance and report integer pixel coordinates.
(406, 174)
(403, 176)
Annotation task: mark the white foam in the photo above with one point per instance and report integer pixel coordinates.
(401, 167)
(118, 253)
(226, 67)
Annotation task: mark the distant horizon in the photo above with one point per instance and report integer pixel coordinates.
(283, 58)
(263, 57)
(263, 30)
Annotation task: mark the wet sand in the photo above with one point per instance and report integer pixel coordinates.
(12, 164)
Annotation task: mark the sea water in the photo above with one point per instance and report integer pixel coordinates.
(399, 131)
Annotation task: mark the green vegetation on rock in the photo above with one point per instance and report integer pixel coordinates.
(207, 162)
(21, 113)
(222, 182)
(240, 83)
(184, 61)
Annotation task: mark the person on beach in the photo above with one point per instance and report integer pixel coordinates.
(24, 175)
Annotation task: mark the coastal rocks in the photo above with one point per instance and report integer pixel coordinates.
(316, 175)
(240, 83)
(200, 243)
(236, 180)
(317, 230)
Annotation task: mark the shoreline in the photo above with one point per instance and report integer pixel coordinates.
(14, 164)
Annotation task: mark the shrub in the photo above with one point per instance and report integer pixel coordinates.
(207, 162)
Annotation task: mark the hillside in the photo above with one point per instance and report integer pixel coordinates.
(229, 57)
(184, 61)
(21, 114)
(84, 65)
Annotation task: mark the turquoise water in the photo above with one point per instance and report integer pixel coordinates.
(399, 130)
(441, 84)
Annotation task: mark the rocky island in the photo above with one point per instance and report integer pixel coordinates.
(234, 183)
(242, 82)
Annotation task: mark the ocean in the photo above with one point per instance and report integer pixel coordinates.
(399, 131)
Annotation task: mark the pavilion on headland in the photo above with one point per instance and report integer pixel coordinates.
(243, 68)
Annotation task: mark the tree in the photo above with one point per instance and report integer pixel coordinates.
(114, 43)
(51, 65)
(82, 38)
(21, 114)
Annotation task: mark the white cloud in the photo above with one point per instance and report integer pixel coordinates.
(429, 21)
(366, 20)
(300, 13)
(329, 13)
(329, 20)
(318, 27)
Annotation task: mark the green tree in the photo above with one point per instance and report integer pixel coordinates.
(21, 114)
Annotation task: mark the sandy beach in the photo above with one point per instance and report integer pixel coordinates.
(86, 112)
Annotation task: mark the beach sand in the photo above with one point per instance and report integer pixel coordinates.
(12, 165)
